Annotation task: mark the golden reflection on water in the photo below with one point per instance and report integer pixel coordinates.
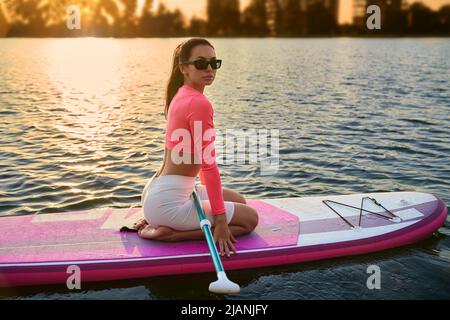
(87, 74)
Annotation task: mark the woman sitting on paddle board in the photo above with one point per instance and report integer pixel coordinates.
(169, 208)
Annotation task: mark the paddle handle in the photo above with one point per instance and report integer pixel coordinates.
(206, 227)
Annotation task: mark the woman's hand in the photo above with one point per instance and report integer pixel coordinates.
(223, 235)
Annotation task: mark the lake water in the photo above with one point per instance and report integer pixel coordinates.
(82, 127)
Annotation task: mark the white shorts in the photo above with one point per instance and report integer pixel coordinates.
(168, 201)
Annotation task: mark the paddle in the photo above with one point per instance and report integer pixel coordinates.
(222, 284)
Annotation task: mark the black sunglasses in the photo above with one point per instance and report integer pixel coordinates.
(202, 64)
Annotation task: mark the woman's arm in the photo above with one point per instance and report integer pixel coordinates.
(202, 177)
(201, 124)
(201, 116)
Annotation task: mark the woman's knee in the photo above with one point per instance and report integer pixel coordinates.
(253, 219)
(245, 216)
(241, 199)
(233, 196)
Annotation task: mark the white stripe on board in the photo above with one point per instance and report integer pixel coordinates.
(124, 260)
(65, 216)
(348, 235)
(64, 244)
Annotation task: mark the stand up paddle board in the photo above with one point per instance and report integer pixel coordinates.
(41, 248)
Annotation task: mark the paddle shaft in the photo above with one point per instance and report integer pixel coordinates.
(206, 227)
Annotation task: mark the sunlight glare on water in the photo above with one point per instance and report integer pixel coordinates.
(86, 74)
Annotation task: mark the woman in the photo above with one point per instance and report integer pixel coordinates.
(169, 208)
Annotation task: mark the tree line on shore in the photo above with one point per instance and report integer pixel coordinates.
(131, 18)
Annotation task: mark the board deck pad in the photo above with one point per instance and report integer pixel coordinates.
(95, 235)
(35, 249)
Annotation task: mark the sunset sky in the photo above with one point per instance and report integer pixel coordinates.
(197, 7)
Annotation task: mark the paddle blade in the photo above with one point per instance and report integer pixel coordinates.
(223, 285)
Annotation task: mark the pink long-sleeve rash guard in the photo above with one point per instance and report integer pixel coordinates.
(190, 130)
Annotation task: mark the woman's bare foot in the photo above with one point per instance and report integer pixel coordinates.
(141, 223)
(160, 233)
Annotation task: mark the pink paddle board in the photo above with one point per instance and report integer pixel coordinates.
(39, 249)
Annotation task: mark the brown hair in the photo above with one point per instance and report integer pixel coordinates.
(181, 55)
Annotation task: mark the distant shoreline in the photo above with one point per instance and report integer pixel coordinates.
(243, 37)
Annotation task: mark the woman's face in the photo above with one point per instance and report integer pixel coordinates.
(195, 77)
